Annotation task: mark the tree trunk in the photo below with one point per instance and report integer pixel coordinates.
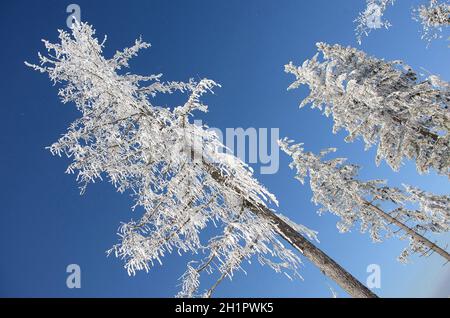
(408, 230)
(325, 263)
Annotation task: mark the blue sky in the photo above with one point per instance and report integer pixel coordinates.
(243, 45)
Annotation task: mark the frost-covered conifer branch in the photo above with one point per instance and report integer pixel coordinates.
(434, 17)
(336, 188)
(179, 178)
(382, 102)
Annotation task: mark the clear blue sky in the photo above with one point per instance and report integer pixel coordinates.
(46, 224)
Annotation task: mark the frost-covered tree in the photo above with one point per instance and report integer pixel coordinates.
(337, 189)
(383, 102)
(372, 18)
(176, 171)
(433, 17)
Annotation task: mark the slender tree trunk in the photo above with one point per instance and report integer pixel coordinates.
(325, 263)
(408, 230)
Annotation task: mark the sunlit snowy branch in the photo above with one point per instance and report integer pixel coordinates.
(384, 103)
(434, 17)
(337, 189)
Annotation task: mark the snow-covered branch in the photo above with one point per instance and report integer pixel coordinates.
(433, 17)
(384, 103)
(337, 189)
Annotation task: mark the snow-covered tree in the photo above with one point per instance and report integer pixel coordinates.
(372, 18)
(383, 102)
(337, 189)
(176, 171)
(433, 17)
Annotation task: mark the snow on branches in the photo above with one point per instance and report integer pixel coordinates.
(385, 103)
(433, 17)
(337, 189)
(166, 162)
